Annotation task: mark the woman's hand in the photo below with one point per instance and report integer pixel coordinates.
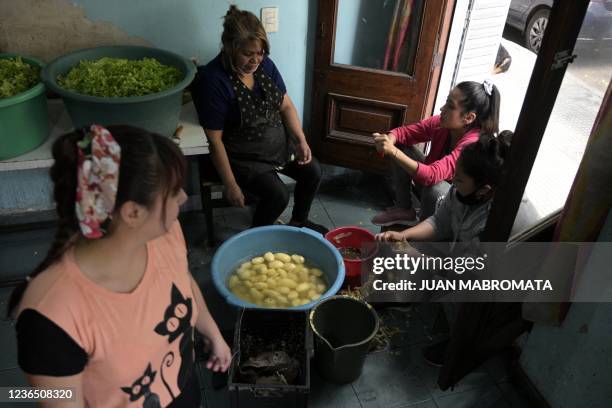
(390, 236)
(385, 144)
(235, 195)
(220, 355)
(304, 154)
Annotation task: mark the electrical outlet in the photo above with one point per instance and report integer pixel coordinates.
(269, 19)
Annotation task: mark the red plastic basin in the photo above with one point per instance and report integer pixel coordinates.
(351, 237)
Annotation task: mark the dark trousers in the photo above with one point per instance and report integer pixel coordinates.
(273, 196)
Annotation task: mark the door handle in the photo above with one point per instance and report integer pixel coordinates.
(321, 32)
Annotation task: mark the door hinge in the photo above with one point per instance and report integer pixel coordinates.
(562, 59)
(321, 32)
(437, 60)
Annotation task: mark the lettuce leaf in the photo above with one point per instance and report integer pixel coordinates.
(16, 76)
(119, 77)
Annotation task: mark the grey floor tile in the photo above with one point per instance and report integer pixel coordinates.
(424, 404)
(317, 215)
(429, 374)
(8, 345)
(233, 224)
(344, 214)
(388, 382)
(324, 394)
(513, 396)
(406, 326)
(483, 397)
(497, 369)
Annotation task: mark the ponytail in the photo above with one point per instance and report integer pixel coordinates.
(504, 139)
(485, 104)
(64, 176)
(150, 165)
(483, 160)
(490, 123)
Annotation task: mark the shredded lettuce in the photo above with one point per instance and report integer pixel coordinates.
(118, 77)
(16, 76)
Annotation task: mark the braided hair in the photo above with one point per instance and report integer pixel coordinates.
(150, 165)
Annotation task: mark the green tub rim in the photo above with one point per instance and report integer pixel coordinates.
(51, 83)
(36, 90)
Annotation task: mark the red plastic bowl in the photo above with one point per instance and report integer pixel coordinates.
(351, 237)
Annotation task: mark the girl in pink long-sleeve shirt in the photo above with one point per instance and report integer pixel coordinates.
(471, 107)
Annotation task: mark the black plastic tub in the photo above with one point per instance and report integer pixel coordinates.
(260, 330)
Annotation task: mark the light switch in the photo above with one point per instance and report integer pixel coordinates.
(269, 19)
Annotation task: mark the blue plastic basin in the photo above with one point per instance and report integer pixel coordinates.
(276, 238)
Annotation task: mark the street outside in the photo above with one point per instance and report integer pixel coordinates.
(571, 121)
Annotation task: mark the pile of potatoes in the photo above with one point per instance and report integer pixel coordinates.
(277, 280)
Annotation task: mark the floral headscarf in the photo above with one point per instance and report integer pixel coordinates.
(97, 180)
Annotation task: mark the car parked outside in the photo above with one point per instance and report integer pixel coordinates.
(530, 17)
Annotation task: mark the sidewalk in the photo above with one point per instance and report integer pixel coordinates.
(567, 133)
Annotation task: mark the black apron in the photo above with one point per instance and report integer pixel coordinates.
(260, 143)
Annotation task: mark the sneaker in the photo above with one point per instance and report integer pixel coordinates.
(396, 215)
(435, 353)
(321, 229)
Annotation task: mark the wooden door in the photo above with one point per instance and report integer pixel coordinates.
(377, 65)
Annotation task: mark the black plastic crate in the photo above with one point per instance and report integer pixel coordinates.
(259, 330)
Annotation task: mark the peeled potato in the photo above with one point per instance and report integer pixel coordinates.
(316, 272)
(282, 257)
(276, 264)
(277, 280)
(298, 259)
(260, 285)
(290, 283)
(233, 281)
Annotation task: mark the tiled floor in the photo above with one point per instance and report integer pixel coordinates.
(396, 377)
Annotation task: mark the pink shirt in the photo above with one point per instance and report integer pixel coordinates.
(127, 336)
(438, 166)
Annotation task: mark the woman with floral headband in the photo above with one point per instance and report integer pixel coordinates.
(112, 309)
(471, 107)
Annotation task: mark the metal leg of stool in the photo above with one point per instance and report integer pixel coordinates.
(207, 207)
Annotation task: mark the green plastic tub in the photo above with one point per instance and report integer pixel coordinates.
(158, 112)
(23, 118)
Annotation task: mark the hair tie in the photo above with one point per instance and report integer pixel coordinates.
(488, 87)
(97, 180)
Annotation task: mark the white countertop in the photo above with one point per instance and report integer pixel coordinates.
(192, 138)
